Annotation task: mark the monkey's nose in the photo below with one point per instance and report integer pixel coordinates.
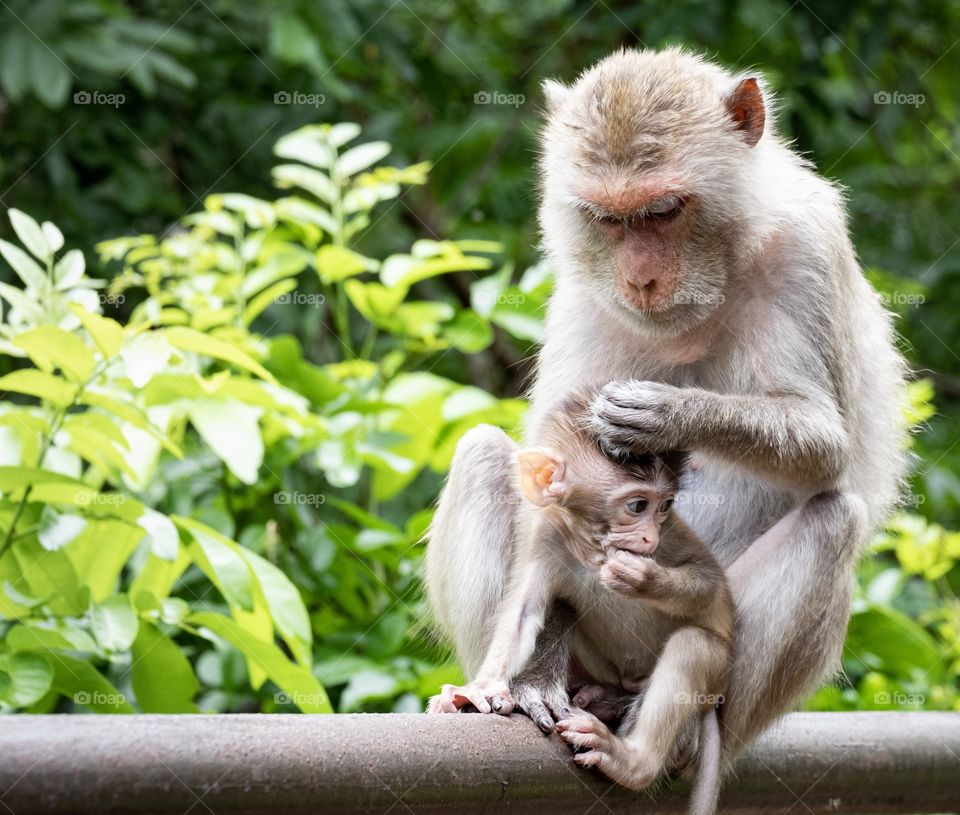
(646, 293)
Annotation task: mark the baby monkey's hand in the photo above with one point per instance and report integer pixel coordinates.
(630, 574)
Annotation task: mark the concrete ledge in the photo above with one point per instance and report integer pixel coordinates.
(811, 762)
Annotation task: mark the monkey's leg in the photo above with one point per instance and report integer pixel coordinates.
(792, 593)
(468, 563)
(689, 670)
(540, 689)
(472, 540)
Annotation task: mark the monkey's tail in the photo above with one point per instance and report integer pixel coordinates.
(706, 786)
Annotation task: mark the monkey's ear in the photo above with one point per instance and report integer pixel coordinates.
(541, 475)
(746, 108)
(554, 92)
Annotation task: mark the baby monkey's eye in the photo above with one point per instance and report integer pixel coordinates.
(665, 506)
(638, 505)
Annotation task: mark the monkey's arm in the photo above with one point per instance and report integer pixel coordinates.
(684, 590)
(798, 435)
(517, 625)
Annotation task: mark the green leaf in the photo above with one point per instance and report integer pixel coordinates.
(343, 132)
(187, 339)
(285, 604)
(52, 235)
(900, 644)
(313, 181)
(31, 676)
(61, 635)
(30, 234)
(297, 681)
(161, 534)
(468, 332)
(161, 676)
(50, 347)
(51, 79)
(367, 686)
(86, 686)
(360, 157)
(68, 271)
(221, 560)
(114, 623)
(57, 530)
(44, 386)
(232, 431)
(26, 267)
(335, 263)
(308, 145)
(106, 333)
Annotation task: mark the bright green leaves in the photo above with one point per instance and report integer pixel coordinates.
(296, 681)
(161, 676)
(251, 584)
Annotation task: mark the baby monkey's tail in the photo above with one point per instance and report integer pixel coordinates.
(706, 787)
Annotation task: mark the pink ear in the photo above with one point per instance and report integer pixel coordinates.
(541, 475)
(747, 110)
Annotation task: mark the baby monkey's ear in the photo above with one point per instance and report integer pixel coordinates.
(541, 475)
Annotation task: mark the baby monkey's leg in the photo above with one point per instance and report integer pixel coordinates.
(689, 670)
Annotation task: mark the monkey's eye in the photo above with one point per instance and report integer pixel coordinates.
(665, 506)
(663, 209)
(638, 505)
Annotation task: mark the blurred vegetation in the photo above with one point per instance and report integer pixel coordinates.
(222, 443)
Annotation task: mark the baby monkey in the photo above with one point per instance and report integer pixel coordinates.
(607, 546)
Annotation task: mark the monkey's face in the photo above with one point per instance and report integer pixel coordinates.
(634, 519)
(644, 163)
(601, 505)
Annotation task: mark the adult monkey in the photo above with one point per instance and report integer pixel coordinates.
(706, 272)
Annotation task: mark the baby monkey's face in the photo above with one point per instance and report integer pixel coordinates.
(633, 514)
(603, 505)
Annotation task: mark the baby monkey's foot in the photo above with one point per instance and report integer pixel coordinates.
(608, 703)
(620, 759)
(484, 695)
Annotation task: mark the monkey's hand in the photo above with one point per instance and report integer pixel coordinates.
(485, 695)
(630, 574)
(638, 417)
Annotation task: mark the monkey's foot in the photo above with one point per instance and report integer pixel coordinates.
(619, 759)
(484, 695)
(609, 703)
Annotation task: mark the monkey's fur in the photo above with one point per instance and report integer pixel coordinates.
(608, 545)
(742, 329)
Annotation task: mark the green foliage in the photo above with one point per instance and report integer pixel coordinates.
(180, 490)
